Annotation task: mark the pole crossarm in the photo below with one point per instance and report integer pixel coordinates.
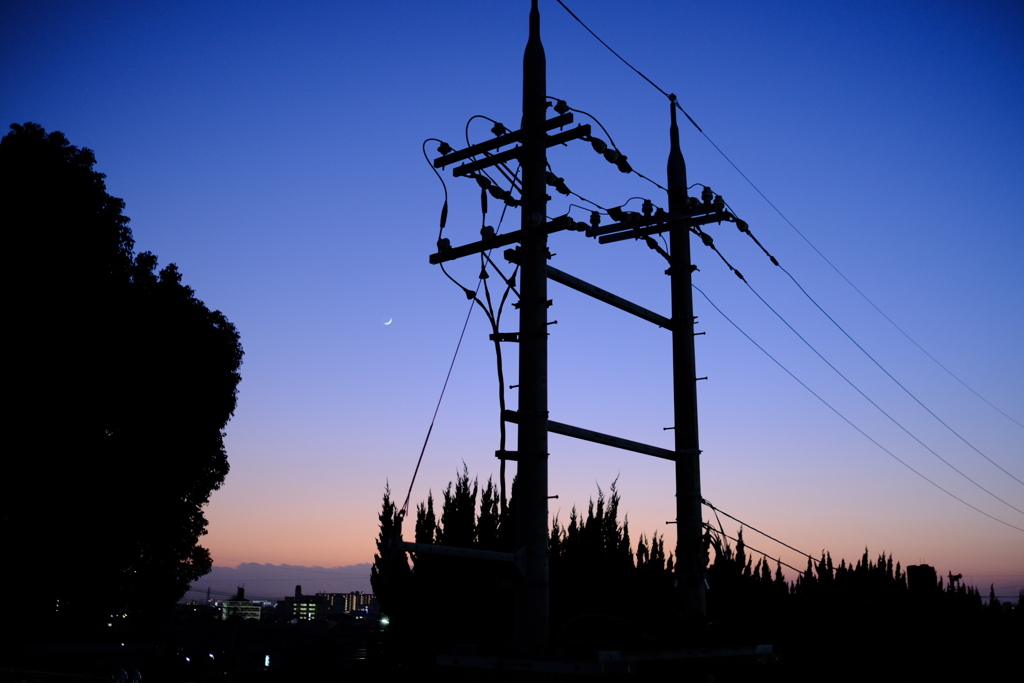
(500, 141)
(660, 222)
(488, 161)
(596, 292)
(690, 223)
(501, 157)
(514, 137)
(494, 242)
(632, 221)
(597, 437)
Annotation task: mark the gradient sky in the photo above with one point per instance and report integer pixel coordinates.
(274, 153)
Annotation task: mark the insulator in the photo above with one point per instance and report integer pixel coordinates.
(595, 219)
(499, 129)
(560, 223)
(648, 207)
(496, 192)
(444, 148)
(611, 155)
(482, 181)
(599, 145)
(694, 203)
(444, 244)
(579, 226)
(742, 225)
(561, 107)
(706, 238)
(550, 178)
(487, 232)
(623, 164)
(483, 201)
(707, 195)
(719, 202)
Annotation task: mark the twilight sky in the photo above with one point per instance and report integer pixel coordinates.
(274, 153)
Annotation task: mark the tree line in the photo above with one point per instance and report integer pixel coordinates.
(609, 594)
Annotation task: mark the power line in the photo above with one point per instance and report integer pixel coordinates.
(848, 421)
(426, 440)
(898, 383)
(872, 402)
(756, 550)
(709, 242)
(763, 196)
(756, 530)
(788, 222)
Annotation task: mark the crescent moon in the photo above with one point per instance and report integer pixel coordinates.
(390, 320)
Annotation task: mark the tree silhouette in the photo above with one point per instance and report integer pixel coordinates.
(852, 619)
(389, 575)
(124, 382)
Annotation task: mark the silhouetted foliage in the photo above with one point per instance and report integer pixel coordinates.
(440, 600)
(389, 575)
(452, 600)
(123, 382)
(849, 619)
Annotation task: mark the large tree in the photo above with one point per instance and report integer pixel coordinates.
(120, 383)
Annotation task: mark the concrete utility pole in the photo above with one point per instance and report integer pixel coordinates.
(532, 473)
(532, 255)
(689, 523)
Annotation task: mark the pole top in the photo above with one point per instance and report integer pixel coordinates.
(676, 163)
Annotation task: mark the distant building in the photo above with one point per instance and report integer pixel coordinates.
(306, 607)
(239, 607)
(356, 601)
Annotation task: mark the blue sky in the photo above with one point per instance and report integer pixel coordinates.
(274, 153)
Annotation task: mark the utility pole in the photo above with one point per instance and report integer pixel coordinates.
(531, 556)
(689, 522)
(532, 472)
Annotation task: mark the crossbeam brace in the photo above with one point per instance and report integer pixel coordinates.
(597, 437)
(602, 295)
